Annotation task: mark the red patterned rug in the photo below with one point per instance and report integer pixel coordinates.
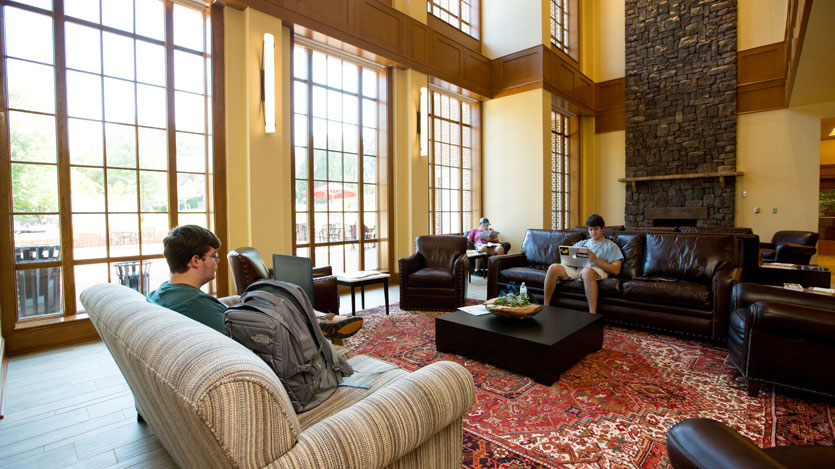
(612, 409)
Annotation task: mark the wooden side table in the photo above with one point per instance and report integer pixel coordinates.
(361, 279)
(473, 255)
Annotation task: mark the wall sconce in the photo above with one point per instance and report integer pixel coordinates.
(422, 118)
(268, 82)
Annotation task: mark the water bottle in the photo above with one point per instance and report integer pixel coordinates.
(523, 290)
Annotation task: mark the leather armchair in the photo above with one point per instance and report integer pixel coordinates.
(435, 277)
(783, 337)
(706, 443)
(247, 267)
(790, 247)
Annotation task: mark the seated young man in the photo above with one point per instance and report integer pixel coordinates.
(191, 253)
(605, 259)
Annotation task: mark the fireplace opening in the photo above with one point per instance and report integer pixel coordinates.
(674, 222)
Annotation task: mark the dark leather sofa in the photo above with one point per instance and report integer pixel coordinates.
(703, 267)
(706, 443)
(783, 337)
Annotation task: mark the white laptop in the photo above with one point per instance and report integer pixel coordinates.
(571, 255)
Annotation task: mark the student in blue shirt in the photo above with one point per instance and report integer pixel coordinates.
(605, 258)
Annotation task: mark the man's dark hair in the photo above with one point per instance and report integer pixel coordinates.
(595, 220)
(185, 242)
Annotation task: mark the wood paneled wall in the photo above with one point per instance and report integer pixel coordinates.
(611, 110)
(761, 78)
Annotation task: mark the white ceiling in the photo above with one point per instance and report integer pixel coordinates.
(815, 80)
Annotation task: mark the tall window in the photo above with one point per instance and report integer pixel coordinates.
(339, 161)
(559, 24)
(109, 142)
(461, 14)
(451, 163)
(559, 171)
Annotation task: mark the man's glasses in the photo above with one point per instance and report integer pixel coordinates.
(213, 256)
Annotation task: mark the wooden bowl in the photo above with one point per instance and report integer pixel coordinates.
(512, 312)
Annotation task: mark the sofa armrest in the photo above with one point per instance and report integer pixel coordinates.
(794, 253)
(322, 271)
(326, 294)
(791, 320)
(723, 284)
(746, 294)
(701, 442)
(388, 424)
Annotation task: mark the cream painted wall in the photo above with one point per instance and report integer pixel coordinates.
(414, 8)
(760, 22)
(827, 151)
(258, 164)
(411, 171)
(779, 152)
(516, 159)
(610, 155)
(609, 42)
(509, 27)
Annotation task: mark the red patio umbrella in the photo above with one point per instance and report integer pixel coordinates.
(333, 191)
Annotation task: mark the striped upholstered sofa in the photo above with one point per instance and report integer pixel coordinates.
(213, 403)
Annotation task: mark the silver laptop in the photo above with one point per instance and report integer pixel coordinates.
(570, 255)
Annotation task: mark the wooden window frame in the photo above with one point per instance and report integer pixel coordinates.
(435, 9)
(569, 12)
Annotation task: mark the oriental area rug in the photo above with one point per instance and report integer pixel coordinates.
(612, 409)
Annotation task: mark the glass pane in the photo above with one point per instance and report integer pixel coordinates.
(369, 83)
(87, 190)
(301, 228)
(118, 14)
(320, 108)
(119, 101)
(334, 166)
(37, 238)
(350, 111)
(334, 105)
(191, 152)
(150, 19)
(190, 112)
(152, 106)
(320, 221)
(350, 137)
(349, 77)
(334, 135)
(299, 98)
(198, 219)
(83, 47)
(369, 169)
(320, 164)
(351, 226)
(159, 273)
(369, 113)
(319, 67)
(31, 86)
(121, 190)
(349, 195)
(337, 255)
(84, 9)
(321, 257)
(34, 188)
(39, 292)
(44, 4)
(28, 35)
(300, 130)
(349, 166)
(86, 145)
(369, 197)
(87, 276)
(188, 28)
(152, 59)
(32, 137)
(121, 145)
(320, 133)
(299, 63)
(89, 235)
(334, 72)
(117, 51)
(300, 159)
(301, 196)
(191, 192)
(83, 95)
(153, 193)
(154, 229)
(188, 72)
(153, 149)
(369, 141)
(371, 262)
(124, 235)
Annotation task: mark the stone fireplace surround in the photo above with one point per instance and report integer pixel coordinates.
(680, 108)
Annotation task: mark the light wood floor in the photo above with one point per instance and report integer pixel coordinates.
(70, 407)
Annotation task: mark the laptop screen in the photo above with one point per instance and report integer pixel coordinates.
(296, 270)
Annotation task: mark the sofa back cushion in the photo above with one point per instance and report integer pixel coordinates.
(716, 229)
(440, 251)
(632, 247)
(541, 247)
(689, 257)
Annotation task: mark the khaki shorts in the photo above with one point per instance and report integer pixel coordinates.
(574, 272)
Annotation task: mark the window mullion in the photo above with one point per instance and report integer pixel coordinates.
(62, 140)
(173, 206)
(311, 236)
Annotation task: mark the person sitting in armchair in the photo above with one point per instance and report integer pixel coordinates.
(483, 238)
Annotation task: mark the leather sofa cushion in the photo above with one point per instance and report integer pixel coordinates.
(678, 292)
(690, 257)
(542, 246)
(632, 247)
(431, 277)
(534, 275)
(610, 286)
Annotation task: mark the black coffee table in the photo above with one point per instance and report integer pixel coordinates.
(541, 347)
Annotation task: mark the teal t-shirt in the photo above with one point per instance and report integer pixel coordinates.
(190, 302)
(605, 249)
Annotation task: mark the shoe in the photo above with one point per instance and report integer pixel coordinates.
(340, 327)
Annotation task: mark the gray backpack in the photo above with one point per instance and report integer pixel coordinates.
(275, 320)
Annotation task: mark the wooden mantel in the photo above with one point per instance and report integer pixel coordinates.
(721, 175)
